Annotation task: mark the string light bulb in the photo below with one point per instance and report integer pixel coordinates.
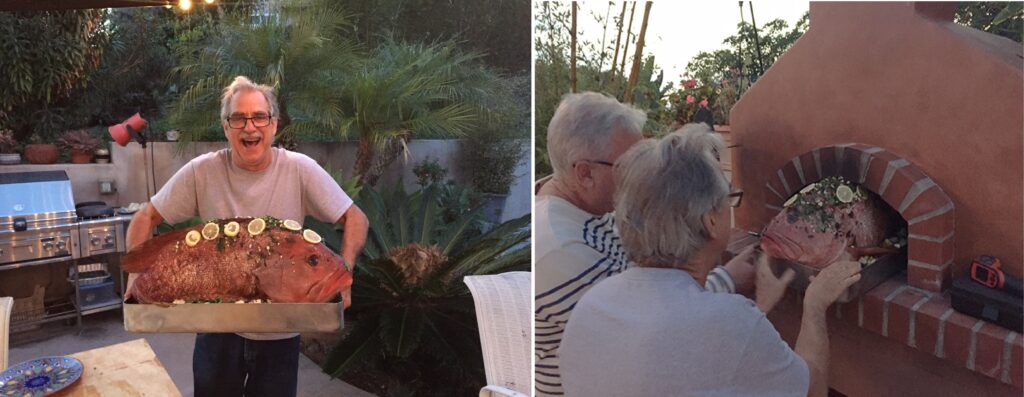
(208, 1)
(185, 5)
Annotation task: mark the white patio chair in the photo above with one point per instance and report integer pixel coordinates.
(6, 303)
(503, 316)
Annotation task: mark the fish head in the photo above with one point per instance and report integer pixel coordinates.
(802, 239)
(298, 271)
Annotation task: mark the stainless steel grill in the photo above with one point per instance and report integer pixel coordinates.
(39, 224)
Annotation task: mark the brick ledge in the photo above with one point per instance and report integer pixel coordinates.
(925, 321)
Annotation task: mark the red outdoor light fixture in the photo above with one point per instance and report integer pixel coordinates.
(131, 129)
(128, 130)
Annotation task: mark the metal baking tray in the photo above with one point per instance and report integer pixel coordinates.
(233, 317)
(884, 267)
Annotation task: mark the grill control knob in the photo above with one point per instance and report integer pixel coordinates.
(48, 246)
(95, 240)
(109, 239)
(62, 246)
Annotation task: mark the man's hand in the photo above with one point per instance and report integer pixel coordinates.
(830, 283)
(346, 297)
(139, 230)
(770, 288)
(742, 270)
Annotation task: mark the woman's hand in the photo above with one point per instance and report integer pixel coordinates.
(830, 283)
(770, 288)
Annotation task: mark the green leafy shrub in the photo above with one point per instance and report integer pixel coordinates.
(412, 320)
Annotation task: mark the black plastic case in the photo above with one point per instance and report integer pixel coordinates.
(988, 304)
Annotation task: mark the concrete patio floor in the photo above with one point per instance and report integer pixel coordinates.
(173, 350)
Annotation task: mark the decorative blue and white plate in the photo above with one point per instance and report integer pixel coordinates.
(40, 377)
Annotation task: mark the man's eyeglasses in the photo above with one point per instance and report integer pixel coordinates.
(735, 198)
(259, 120)
(600, 162)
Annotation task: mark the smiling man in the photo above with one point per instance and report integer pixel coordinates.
(251, 179)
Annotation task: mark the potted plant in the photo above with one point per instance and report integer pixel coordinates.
(80, 144)
(491, 161)
(8, 148)
(40, 152)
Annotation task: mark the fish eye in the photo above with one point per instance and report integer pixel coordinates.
(313, 260)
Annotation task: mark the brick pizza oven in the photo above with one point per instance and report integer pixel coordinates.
(929, 115)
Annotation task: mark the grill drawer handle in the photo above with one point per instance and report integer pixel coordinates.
(20, 224)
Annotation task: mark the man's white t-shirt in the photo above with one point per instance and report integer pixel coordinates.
(656, 332)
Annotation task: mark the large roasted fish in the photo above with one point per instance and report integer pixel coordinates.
(829, 221)
(237, 259)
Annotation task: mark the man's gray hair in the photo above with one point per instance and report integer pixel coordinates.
(241, 84)
(665, 187)
(582, 126)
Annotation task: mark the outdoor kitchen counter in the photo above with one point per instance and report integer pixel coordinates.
(125, 369)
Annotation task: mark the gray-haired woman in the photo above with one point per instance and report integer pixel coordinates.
(653, 330)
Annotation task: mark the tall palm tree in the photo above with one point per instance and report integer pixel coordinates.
(300, 50)
(405, 89)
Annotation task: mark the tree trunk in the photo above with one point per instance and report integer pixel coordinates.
(604, 39)
(625, 49)
(395, 147)
(286, 141)
(364, 157)
(618, 40)
(572, 53)
(635, 73)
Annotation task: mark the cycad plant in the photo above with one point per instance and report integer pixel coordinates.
(301, 50)
(412, 317)
(404, 90)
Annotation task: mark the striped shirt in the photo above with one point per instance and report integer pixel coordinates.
(574, 251)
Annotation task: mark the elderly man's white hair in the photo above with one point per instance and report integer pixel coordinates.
(665, 187)
(582, 126)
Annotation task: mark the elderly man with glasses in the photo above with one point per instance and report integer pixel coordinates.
(653, 330)
(575, 242)
(251, 179)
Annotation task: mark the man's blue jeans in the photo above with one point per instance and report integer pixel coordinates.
(229, 365)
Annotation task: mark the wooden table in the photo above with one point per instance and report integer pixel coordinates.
(125, 369)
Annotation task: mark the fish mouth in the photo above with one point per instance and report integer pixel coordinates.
(779, 246)
(325, 289)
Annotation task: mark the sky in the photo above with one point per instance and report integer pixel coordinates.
(678, 30)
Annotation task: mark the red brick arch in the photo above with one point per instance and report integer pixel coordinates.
(929, 212)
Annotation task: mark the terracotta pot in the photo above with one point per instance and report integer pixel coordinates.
(41, 153)
(81, 156)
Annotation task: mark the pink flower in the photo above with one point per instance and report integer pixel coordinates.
(704, 102)
(690, 83)
(689, 99)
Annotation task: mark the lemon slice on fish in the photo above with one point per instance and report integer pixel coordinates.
(311, 237)
(231, 229)
(256, 226)
(790, 201)
(291, 225)
(210, 231)
(844, 194)
(808, 188)
(192, 238)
